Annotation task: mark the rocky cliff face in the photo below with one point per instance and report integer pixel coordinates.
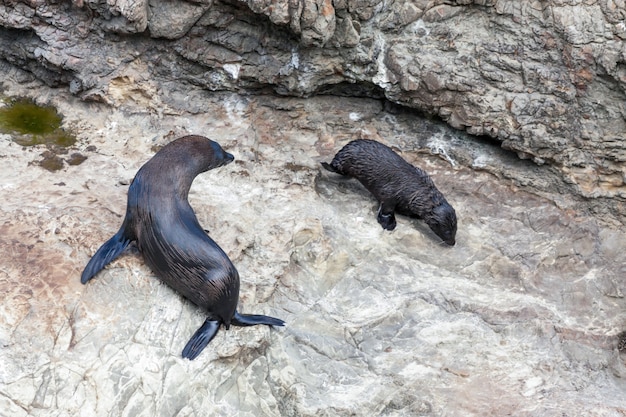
(545, 79)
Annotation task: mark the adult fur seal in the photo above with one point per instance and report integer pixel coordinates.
(397, 185)
(166, 231)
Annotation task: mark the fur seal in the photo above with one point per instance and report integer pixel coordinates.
(166, 231)
(397, 185)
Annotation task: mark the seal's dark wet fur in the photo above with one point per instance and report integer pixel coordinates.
(397, 185)
(161, 222)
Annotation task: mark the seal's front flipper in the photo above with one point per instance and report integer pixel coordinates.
(107, 252)
(254, 319)
(201, 338)
(386, 217)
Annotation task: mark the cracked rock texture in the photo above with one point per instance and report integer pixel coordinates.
(545, 79)
(522, 317)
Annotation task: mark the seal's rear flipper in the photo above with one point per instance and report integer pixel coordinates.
(107, 252)
(201, 338)
(254, 319)
(329, 167)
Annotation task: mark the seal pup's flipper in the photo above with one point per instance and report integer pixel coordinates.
(386, 217)
(110, 250)
(254, 319)
(201, 338)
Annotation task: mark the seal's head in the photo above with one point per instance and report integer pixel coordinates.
(442, 221)
(189, 156)
(202, 151)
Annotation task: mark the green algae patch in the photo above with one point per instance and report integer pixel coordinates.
(30, 124)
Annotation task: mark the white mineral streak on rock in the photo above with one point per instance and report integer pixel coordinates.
(438, 145)
(233, 70)
(379, 52)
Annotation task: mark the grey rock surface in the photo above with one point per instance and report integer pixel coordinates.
(520, 318)
(546, 79)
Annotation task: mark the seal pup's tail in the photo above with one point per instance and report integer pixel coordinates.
(110, 250)
(330, 168)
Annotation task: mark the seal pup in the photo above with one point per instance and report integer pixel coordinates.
(166, 231)
(397, 185)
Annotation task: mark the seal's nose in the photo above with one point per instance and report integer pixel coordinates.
(228, 158)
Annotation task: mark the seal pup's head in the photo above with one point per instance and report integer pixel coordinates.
(442, 220)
